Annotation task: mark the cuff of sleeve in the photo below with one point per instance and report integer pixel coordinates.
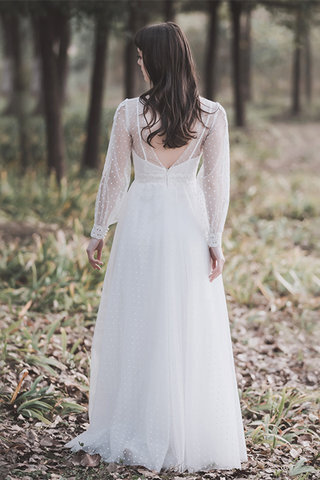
(214, 239)
(98, 232)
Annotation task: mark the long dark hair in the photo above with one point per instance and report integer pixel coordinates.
(174, 93)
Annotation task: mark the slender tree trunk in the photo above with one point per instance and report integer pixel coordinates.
(16, 81)
(36, 83)
(61, 41)
(247, 54)
(296, 67)
(210, 66)
(91, 150)
(142, 17)
(7, 82)
(19, 89)
(52, 100)
(169, 10)
(236, 9)
(63, 36)
(308, 67)
(130, 73)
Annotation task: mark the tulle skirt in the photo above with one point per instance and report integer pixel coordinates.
(163, 391)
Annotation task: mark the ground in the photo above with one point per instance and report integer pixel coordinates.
(272, 281)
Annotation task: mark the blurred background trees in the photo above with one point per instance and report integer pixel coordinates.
(64, 63)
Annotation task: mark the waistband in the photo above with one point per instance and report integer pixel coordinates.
(166, 178)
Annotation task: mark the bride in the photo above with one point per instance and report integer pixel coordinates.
(163, 391)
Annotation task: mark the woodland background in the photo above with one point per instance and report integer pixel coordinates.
(64, 67)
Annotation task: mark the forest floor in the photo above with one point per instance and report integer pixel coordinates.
(272, 281)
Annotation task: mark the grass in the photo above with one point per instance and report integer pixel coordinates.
(50, 294)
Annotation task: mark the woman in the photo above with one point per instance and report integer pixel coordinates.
(163, 390)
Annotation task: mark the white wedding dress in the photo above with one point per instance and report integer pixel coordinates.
(163, 391)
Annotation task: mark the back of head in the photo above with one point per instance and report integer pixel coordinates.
(173, 91)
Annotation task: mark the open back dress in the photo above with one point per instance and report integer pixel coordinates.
(163, 390)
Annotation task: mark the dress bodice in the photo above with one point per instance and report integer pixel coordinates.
(146, 171)
(128, 138)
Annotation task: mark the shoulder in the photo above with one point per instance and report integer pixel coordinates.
(121, 105)
(218, 114)
(127, 106)
(122, 113)
(132, 100)
(128, 102)
(212, 105)
(206, 102)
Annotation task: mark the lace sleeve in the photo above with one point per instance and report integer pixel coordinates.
(116, 174)
(216, 176)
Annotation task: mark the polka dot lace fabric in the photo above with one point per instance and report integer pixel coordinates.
(212, 178)
(163, 391)
(115, 176)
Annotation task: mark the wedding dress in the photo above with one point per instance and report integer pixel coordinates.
(163, 391)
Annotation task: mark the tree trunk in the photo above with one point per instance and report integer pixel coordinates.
(19, 89)
(308, 67)
(63, 36)
(36, 84)
(296, 67)
(210, 70)
(90, 157)
(236, 9)
(7, 82)
(52, 100)
(130, 73)
(16, 82)
(169, 10)
(247, 80)
(142, 18)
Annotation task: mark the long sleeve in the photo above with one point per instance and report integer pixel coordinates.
(116, 173)
(215, 176)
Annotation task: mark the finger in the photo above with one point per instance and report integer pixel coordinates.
(96, 264)
(93, 261)
(213, 276)
(98, 259)
(216, 271)
(213, 263)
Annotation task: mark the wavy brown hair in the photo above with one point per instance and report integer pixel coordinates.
(174, 92)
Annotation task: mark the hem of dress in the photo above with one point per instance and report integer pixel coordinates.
(178, 468)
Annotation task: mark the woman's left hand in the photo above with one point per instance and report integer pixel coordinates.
(217, 262)
(95, 244)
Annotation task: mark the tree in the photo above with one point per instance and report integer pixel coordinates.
(308, 67)
(296, 65)
(298, 16)
(248, 8)
(13, 41)
(169, 10)
(7, 20)
(91, 149)
(50, 22)
(236, 11)
(126, 18)
(211, 49)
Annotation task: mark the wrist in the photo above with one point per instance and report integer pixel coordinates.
(217, 251)
(98, 232)
(214, 239)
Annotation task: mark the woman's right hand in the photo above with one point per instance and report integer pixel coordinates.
(217, 262)
(95, 244)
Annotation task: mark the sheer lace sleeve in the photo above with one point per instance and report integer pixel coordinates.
(216, 176)
(115, 176)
